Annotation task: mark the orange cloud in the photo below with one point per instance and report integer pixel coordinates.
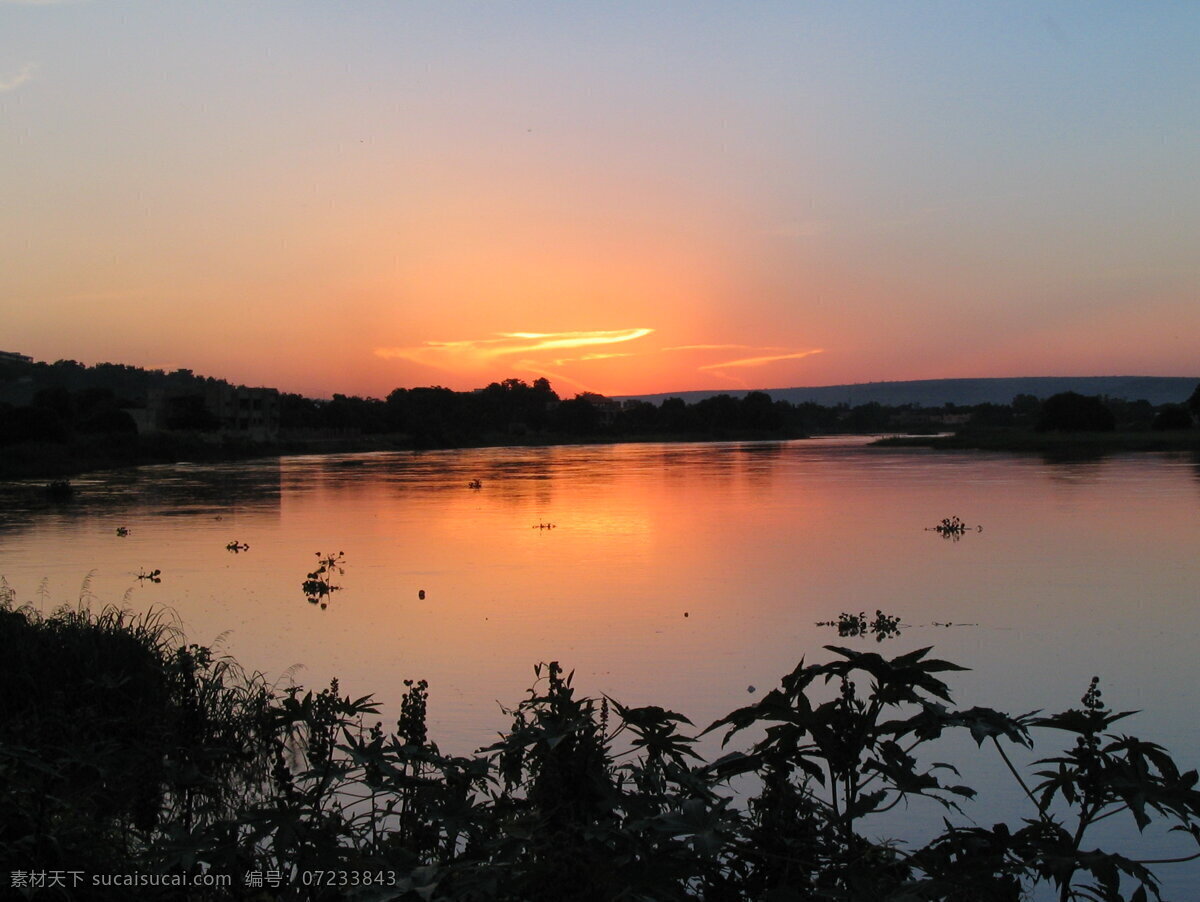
(707, 347)
(760, 361)
(475, 353)
(563, 360)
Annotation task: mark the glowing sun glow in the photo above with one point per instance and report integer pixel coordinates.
(471, 354)
(463, 193)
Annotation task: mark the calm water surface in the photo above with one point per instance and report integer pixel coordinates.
(678, 575)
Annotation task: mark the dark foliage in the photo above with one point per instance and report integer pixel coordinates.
(1172, 416)
(120, 750)
(1072, 412)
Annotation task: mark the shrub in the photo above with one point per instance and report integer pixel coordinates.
(1073, 412)
(120, 749)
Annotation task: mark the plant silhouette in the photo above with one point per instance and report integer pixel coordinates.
(319, 585)
(120, 751)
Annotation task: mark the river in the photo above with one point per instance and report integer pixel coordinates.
(691, 576)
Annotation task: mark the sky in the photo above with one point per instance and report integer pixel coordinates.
(624, 198)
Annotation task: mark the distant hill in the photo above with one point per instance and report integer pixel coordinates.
(938, 392)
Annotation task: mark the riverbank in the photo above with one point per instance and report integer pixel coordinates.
(52, 460)
(1064, 444)
(196, 772)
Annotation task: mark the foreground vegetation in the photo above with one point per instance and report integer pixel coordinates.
(123, 750)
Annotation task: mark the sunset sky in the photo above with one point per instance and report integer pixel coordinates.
(623, 197)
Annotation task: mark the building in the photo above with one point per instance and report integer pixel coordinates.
(249, 412)
(217, 408)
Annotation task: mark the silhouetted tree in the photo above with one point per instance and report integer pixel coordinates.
(350, 413)
(31, 424)
(513, 406)
(871, 417)
(1073, 412)
(1026, 410)
(578, 416)
(813, 417)
(718, 413)
(757, 411)
(1131, 415)
(992, 416)
(298, 412)
(639, 418)
(189, 412)
(58, 399)
(676, 416)
(1172, 416)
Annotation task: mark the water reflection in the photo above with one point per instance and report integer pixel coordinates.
(178, 489)
(1083, 568)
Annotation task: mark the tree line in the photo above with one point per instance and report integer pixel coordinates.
(65, 401)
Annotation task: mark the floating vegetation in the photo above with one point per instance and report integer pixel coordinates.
(543, 526)
(952, 528)
(319, 584)
(59, 490)
(474, 484)
(122, 531)
(235, 546)
(154, 576)
(884, 626)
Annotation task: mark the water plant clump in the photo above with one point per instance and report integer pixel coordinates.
(236, 547)
(151, 576)
(319, 584)
(59, 490)
(953, 528)
(850, 625)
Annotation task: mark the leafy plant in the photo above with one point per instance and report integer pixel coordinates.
(884, 626)
(952, 528)
(121, 748)
(319, 585)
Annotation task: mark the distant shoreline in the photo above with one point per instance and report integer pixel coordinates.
(36, 461)
(45, 461)
(1052, 443)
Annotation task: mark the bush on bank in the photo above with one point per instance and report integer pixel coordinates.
(124, 750)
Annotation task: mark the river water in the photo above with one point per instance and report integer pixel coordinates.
(680, 575)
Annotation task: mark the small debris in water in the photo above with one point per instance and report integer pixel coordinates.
(751, 688)
(421, 594)
(59, 490)
(952, 528)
